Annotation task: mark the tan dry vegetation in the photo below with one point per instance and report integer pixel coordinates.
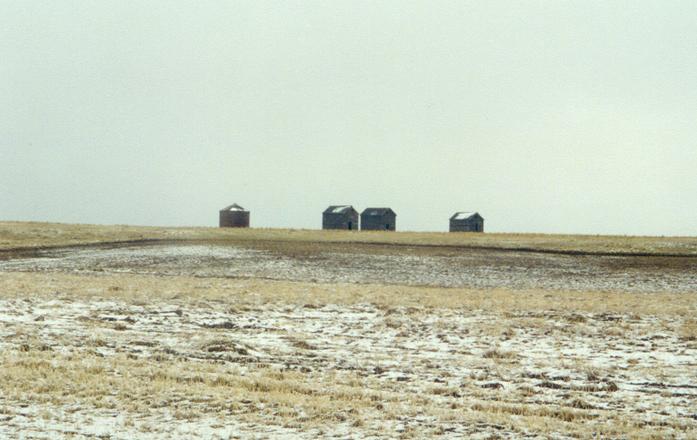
(283, 358)
(688, 330)
(537, 305)
(36, 234)
(89, 342)
(192, 390)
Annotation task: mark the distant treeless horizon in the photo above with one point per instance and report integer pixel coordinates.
(544, 117)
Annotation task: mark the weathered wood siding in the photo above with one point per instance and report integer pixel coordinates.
(475, 224)
(348, 220)
(384, 222)
(234, 219)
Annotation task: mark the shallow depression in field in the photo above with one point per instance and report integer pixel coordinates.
(471, 268)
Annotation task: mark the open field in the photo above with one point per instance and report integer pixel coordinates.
(34, 234)
(277, 335)
(371, 264)
(142, 354)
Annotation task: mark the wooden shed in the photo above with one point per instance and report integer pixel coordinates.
(378, 219)
(466, 222)
(340, 217)
(234, 216)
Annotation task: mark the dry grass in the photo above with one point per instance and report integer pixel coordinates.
(688, 330)
(243, 293)
(143, 386)
(510, 390)
(192, 390)
(313, 359)
(499, 354)
(34, 234)
(104, 360)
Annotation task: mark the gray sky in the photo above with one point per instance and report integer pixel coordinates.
(544, 116)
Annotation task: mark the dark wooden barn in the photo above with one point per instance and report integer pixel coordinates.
(466, 222)
(234, 216)
(340, 217)
(378, 219)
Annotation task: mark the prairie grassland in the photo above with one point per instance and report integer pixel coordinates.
(36, 234)
(256, 292)
(130, 355)
(222, 334)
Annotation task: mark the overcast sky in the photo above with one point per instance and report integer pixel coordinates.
(544, 116)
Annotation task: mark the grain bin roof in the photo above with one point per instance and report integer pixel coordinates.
(233, 207)
(377, 211)
(339, 209)
(463, 215)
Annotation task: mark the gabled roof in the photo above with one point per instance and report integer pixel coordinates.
(377, 211)
(464, 215)
(233, 207)
(339, 209)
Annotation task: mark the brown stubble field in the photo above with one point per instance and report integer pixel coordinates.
(157, 348)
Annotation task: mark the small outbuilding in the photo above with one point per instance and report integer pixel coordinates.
(466, 222)
(340, 217)
(378, 219)
(234, 216)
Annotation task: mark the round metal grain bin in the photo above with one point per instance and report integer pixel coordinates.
(234, 216)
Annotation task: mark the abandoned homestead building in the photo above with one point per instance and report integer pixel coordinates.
(340, 217)
(378, 219)
(466, 222)
(234, 216)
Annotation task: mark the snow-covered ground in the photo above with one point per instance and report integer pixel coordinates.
(422, 371)
(465, 268)
(179, 341)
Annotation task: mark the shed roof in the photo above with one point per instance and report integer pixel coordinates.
(378, 211)
(339, 209)
(464, 215)
(233, 207)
